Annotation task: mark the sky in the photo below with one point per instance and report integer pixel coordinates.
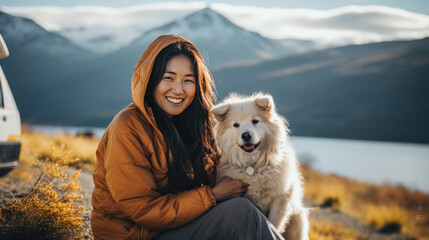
(419, 6)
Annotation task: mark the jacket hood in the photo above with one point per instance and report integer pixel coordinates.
(143, 71)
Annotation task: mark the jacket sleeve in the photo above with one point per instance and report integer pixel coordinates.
(132, 185)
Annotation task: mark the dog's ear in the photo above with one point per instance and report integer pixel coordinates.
(265, 102)
(220, 111)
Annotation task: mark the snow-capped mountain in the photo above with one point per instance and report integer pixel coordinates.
(120, 30)
(24, 37)
(106, 29)
(220, 41)
(101, 29)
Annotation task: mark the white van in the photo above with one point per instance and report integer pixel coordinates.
(10, 121)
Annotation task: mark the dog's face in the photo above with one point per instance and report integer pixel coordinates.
(243, 124)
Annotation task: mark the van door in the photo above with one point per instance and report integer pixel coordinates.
(10, 121)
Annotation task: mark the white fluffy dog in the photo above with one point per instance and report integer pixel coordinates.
(254, 142)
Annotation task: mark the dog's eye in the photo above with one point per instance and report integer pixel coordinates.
(255, 121)
(236, 125)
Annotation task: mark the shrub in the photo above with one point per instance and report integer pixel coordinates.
(49, 210)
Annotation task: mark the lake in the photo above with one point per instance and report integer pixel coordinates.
(371, 161)
(378, 162)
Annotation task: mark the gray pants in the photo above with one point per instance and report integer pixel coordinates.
(237, 218)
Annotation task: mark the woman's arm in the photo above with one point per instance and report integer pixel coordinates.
(132, 185)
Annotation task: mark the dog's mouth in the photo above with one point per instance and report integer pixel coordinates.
(250, 147)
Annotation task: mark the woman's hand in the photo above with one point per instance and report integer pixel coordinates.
(228, 188)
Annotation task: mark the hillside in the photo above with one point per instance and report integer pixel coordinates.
(374, 91)
(38, 63)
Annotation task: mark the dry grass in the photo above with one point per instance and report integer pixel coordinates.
(326, 230)
(34, 143)
(386, 218)
(389, 209)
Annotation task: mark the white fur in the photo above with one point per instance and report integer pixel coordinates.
(275, 187)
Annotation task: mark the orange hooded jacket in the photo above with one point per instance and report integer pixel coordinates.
(131, 169)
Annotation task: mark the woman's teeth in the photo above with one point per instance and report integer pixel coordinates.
(175, 100)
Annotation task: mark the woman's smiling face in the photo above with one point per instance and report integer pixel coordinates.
(176, 90)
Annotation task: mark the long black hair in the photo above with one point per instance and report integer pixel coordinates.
(188, 135)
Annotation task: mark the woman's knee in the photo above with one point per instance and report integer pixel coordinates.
(240, 204)
(240, 210)
(241, 219)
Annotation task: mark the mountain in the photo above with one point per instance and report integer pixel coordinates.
(37, 64)
(26, 38)
(220, 41)
(374, 91)
(106, 29)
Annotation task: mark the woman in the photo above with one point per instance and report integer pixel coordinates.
(155, 175)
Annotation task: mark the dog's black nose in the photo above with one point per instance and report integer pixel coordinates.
(246, 136)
